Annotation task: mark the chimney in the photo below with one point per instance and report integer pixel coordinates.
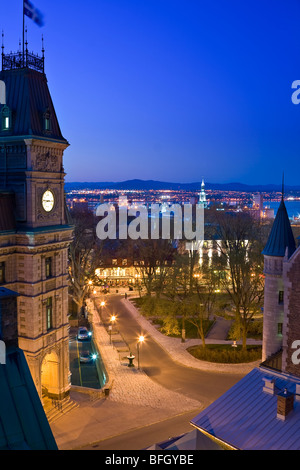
(269, 386)
(285, 404)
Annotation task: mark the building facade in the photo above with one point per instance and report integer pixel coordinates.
(34, 229)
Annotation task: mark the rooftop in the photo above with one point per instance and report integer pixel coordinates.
(23, 424)
(281, 236)
(245, 417)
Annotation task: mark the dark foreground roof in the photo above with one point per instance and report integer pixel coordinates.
(281, 236)
(245, 417)
(23, 423)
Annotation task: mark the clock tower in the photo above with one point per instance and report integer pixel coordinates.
(34, 230)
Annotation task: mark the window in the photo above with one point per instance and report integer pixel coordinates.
(49, 313)
(5, 118)
(46, 120)
(280, 297)
(48, 267)
(2, 272)
(279, 328)
(114, 262)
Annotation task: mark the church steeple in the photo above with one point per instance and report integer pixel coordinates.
(202, 195)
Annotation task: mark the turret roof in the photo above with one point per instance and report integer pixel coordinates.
(281, 236)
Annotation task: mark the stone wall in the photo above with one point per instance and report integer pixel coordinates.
(292, 312)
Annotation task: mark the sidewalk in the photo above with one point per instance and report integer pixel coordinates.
(134, 400)
(129, 384)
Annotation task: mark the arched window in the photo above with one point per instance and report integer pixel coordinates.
(5, 118)
(46, 121)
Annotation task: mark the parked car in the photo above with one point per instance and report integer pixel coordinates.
(83, 333)
(85, 356)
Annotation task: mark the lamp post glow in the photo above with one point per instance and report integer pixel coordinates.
(141, 340)
(112, 320)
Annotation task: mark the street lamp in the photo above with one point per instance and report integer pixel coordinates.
(140, 341)
(112, 320)
(102, 304)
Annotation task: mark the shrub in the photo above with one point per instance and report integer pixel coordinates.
(225, 353)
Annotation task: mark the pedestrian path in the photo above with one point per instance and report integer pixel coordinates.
(178, 350)
(134, 400)
(130, 384)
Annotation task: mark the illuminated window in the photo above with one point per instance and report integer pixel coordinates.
(46, 121)
(48, 267)
(49, 313)
(5, 118)
(280, 297)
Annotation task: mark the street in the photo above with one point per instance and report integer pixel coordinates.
(159, 366)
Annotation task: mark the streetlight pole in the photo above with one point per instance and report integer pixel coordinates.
(141, 340)
(102, 304)
(112, 320)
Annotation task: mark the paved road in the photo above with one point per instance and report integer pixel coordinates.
(84, 375)
(141, 438)
(159, 366)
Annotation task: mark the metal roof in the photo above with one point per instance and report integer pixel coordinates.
(281, 236)
(245, 417)
(28, 98)
(23, 423)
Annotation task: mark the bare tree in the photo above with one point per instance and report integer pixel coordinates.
(152, 260)
(207, 282)
(84, 255)
(180, 285)
(242, 263)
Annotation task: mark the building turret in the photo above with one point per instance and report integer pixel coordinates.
(281, 244)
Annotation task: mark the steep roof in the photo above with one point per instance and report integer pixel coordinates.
(29, 99)
(23, 423)
(281, 236)
(245, 417)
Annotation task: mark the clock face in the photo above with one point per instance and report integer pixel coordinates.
(48, 200)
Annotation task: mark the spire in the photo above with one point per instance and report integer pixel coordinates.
(281, 240)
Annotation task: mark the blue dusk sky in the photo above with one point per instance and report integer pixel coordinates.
(171, 90)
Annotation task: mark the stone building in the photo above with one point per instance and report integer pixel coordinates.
(262, 411)
(278, 250)
(34, 229)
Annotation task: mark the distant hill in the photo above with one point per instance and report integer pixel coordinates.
(137, 184)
